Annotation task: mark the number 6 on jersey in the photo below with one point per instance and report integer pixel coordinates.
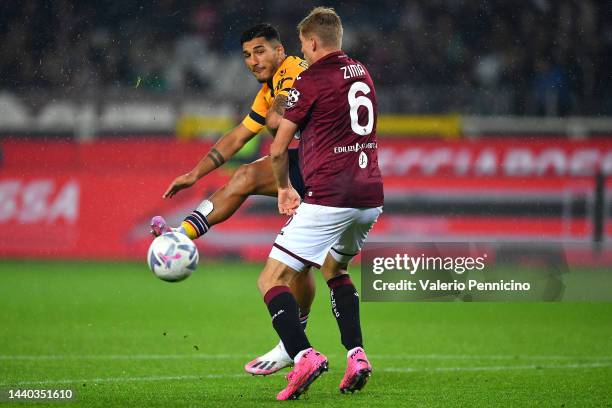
(355, 102)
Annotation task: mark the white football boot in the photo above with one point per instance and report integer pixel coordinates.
(271, 362)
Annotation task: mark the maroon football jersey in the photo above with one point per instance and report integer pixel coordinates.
(333, 103)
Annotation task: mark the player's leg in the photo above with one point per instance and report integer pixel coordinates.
(303, 242)
(255, 178)
(345, 308)
(315, 235)
(273, 284)
(303, 289)
(345, 298)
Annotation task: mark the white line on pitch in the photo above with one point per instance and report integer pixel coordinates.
(125, 379)
(387, 370)
(125, 356)
(241, 356)
(495, 368)
(481, 357)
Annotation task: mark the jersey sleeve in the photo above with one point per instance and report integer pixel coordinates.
(256, 119)
(300, 100)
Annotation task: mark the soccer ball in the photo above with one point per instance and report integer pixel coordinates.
(172, 257)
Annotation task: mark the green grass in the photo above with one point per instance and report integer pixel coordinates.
(120, 337)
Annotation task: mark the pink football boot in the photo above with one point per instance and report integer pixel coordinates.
(358, 371)
(159, 226)
(309, 368)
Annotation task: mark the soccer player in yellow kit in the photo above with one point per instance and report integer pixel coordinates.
(265, 57)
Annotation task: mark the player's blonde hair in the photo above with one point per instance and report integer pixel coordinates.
(325, 24)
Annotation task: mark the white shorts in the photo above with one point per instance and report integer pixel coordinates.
(316, 230)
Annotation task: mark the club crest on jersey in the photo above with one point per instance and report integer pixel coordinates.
(279, 84)
(292, 98)
(363, 160)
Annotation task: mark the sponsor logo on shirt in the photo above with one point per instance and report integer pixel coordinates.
(355, 147)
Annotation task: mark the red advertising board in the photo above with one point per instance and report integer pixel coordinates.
(69, 200)
(496, 157)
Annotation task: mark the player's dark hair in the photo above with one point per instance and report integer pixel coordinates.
(264, 30)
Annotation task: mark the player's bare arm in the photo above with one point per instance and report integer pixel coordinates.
(288, 198)
(275, 114)
(223, 150)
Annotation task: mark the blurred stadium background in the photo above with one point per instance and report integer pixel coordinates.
(496, 125)
(494, 119)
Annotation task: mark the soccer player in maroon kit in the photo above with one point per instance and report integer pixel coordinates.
(333, 104)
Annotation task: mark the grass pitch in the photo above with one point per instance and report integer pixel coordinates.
(117, 336)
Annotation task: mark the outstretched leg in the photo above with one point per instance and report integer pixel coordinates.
(255, 178)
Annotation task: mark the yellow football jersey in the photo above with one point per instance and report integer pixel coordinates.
(281, 83)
